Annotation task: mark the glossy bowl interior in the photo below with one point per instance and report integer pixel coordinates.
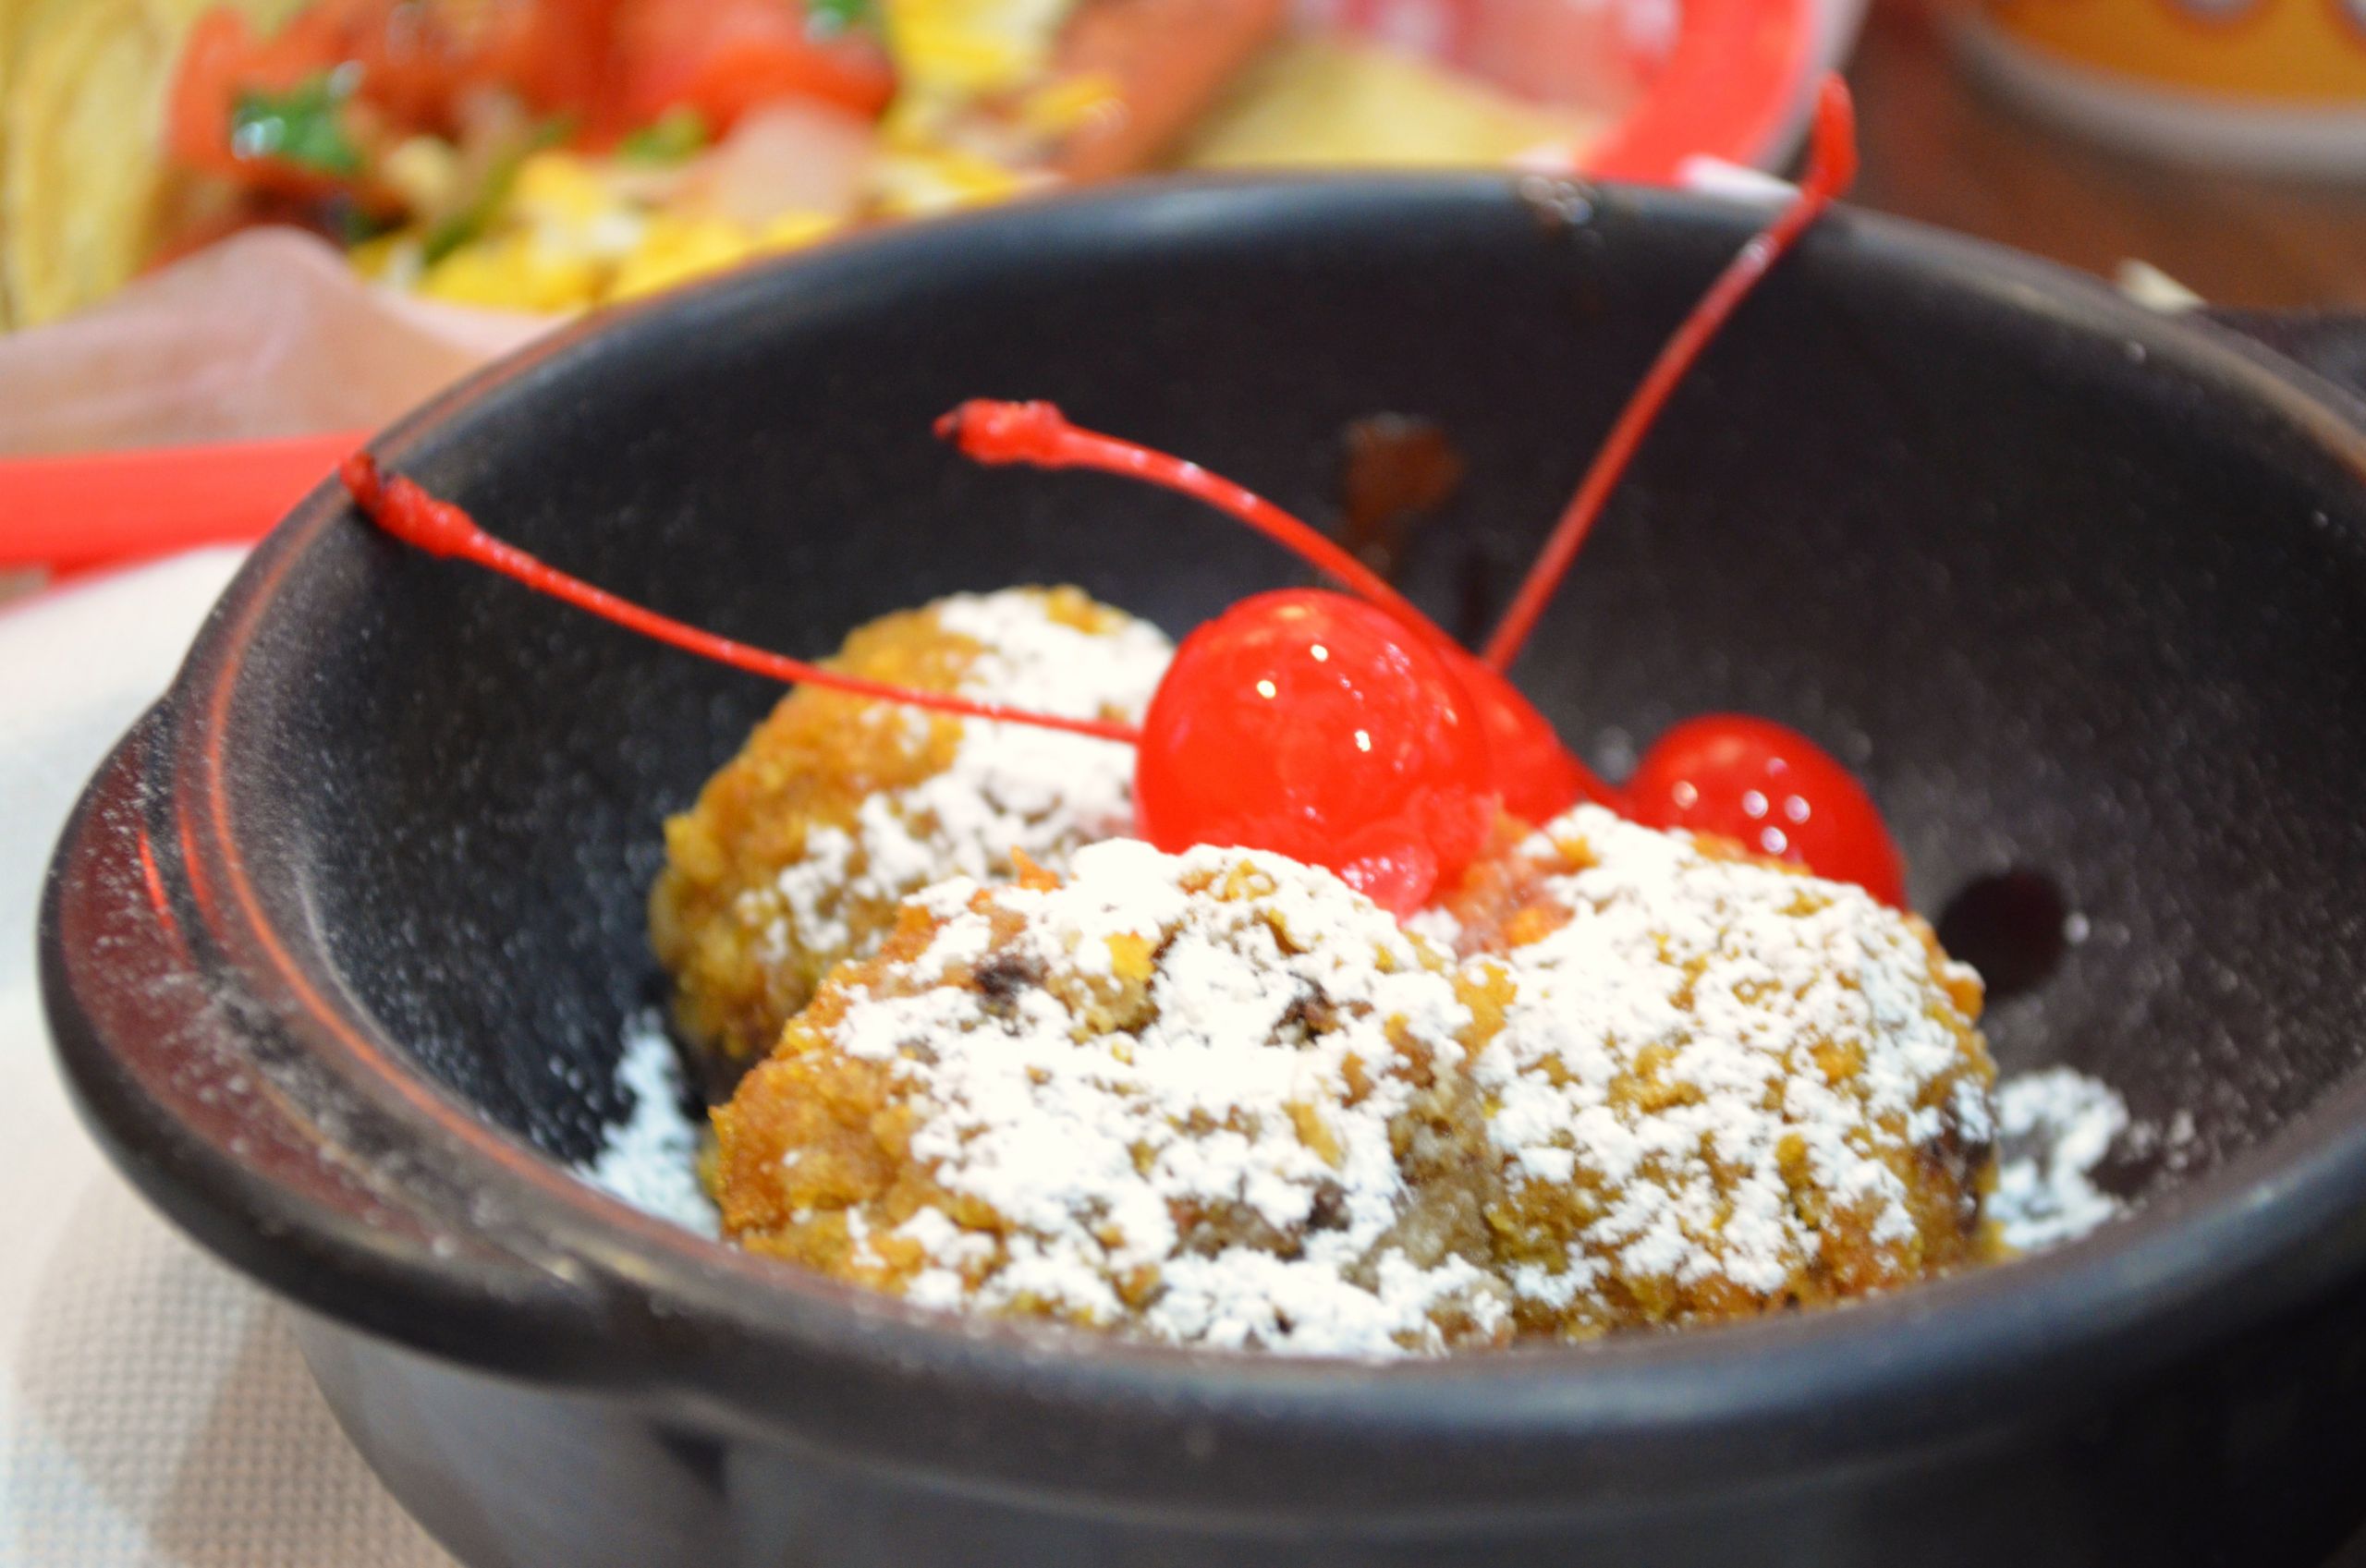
(2081, 590)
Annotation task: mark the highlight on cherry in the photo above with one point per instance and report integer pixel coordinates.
(1347, 730)
(1309, 723)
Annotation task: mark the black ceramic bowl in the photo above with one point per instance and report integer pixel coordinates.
(340, 941)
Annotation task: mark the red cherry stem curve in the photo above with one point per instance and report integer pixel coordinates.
(1832, 168)
(999, 434)
(409, 513)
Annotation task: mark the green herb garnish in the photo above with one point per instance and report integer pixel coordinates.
(476, 216)
(672, 137)
(302, 126)
(826, 19)
(350, 224)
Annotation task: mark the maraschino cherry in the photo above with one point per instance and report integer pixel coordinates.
(1774, 791)
(1310, 724)
(1537, 776)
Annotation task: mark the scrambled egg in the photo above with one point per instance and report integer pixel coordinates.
(952, 56)
(567, 238)
(949, 52)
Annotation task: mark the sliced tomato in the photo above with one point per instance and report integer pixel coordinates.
(725, 57)
(609, 64)
(205, 89)
(223, 60)
(418, 61)
(572, 56)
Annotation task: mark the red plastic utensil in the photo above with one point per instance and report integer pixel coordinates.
(96, 508)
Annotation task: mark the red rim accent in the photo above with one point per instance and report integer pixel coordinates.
(1730, 89)
(237, 917)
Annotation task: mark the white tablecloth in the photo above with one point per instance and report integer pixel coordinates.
(154, 1412)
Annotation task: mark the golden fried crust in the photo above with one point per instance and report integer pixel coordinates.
(1864, 1185)
(811, 1134)
(1509, 901)
(740, 969)
(816, 1162)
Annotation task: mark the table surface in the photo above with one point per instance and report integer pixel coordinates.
(1940, 149)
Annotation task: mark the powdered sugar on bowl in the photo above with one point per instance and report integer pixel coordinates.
(2058, 1127)
(649, 1159)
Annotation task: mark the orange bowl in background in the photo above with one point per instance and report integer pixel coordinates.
(2276, 86)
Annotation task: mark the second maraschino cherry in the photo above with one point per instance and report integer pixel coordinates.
(1774, 791)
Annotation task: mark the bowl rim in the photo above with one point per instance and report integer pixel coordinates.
(2268, 1232)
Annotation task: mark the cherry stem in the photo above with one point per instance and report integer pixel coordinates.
(1038, 433)
(990, 431)
(409, 513)
(1832, 168)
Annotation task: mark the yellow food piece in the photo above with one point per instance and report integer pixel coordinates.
(1326, 100)
(566, 240)
(425, 170)
(949, 50)
(82, 180)
(514, 271)
(794, 230)
(83, 85)
(951, 57)
(916, 182)
(1053, 111)
(676, 249)
(377, 259)
(565, 195)
(14, 17)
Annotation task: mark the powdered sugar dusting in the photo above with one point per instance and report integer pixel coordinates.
(2058, 1127)
(1186, 1108)
(1732, 1057)
(1008, 787)
(649, 1159)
